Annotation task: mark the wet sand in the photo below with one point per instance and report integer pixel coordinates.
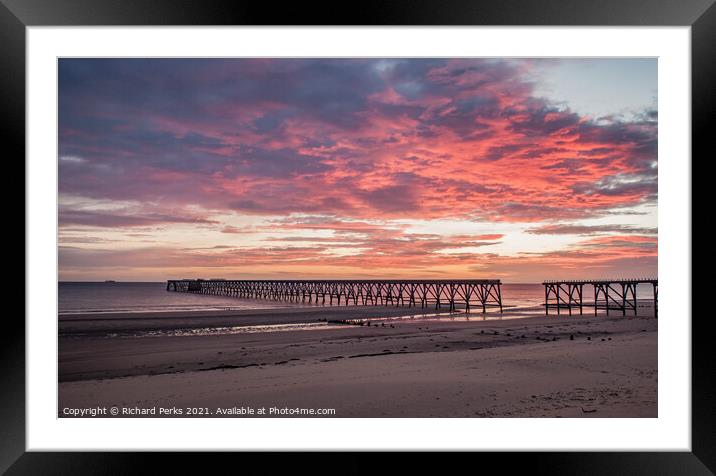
(578, 366)
(131, 323)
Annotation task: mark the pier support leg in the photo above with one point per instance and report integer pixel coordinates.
(559, 305)
(596, 298)
(623, 300)
(499, 296)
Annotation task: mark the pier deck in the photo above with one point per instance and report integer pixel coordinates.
(609, 294)
(452, 294)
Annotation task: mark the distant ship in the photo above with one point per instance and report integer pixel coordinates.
(110, 281)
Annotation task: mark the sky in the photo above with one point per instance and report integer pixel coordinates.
(512, 169)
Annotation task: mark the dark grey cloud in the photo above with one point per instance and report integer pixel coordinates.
(125, 218)
(586, 230)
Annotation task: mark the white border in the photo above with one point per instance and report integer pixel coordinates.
(670, 431)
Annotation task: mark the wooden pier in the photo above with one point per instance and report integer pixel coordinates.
(619, 295)
(452, 294)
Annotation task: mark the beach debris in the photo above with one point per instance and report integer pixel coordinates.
(588, 410)
(350, 322)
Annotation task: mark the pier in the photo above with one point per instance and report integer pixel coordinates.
(452, 294)
(618, 295)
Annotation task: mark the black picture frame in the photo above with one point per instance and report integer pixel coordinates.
(700, 15)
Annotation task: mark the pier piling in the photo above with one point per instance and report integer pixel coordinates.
(609, 294)
(453, 294)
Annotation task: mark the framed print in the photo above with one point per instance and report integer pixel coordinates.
(417, 229)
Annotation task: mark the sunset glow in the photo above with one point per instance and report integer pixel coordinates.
(357, 168)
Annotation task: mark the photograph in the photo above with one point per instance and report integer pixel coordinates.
(357, 237)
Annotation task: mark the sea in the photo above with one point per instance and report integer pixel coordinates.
(138, 297)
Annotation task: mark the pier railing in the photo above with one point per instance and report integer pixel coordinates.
(618, 295)
(452, 294)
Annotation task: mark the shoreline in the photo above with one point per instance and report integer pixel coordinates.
(401, 367)
(87, 324)
(97, 324)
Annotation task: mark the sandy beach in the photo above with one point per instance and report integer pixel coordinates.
(221, 361)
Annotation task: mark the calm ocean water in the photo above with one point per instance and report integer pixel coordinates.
(145, 297)
(153, 297)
